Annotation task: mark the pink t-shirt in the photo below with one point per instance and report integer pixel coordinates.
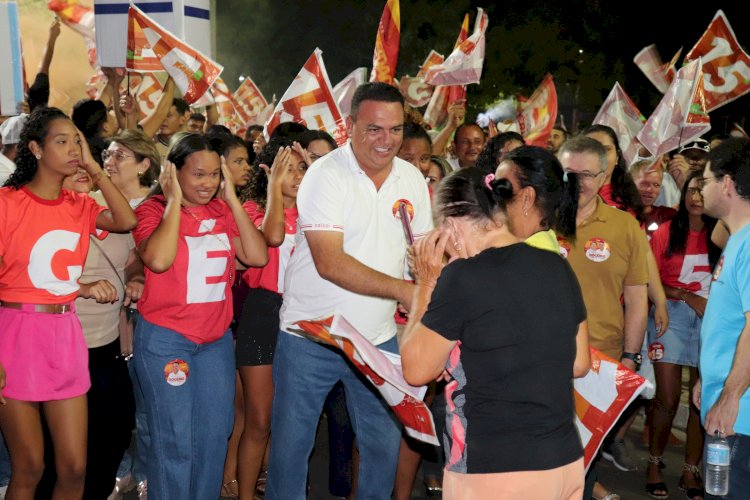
(194, 296)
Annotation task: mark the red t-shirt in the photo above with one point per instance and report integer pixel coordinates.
(194, 296)
(43, 244)
(692, 271)
(606, 193)
(271, 276)
(656, 218)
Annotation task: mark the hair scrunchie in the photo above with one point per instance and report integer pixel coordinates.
(487, 179)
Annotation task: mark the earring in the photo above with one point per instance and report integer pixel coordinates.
(38, 157)
(140, 174)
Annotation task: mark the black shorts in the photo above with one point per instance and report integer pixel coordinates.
(258, 329)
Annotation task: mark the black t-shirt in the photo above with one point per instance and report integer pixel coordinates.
(515, 313)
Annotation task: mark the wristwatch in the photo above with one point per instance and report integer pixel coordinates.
(635, 357)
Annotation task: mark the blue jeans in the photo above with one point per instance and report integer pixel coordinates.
(4, 463)
(134, 459)
(304, 373)
(190, 418)
(739, 471)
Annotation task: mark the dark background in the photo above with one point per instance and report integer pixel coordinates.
(270, 40)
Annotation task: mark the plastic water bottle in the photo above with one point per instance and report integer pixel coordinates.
(717, 465)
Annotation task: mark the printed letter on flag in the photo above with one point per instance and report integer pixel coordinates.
(386, 44)
(620, 113)
(249, 100)
(382, 370)
(726, 67)
(192, 72)
(681, 115)
(309, 100)
(538, 114)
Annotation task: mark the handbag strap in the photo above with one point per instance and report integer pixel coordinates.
(109, 261)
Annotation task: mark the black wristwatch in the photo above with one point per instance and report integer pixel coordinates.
(633, 356)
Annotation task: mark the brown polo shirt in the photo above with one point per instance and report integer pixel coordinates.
(608, 253)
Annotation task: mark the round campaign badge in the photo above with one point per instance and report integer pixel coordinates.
(655, 351)
(564, 246)
(597, 250)
(409, 208)
(176, 372)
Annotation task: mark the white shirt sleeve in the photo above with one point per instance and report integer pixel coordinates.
(320, 200)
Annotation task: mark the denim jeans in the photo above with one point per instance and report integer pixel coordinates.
(739, 469)
(4, 463)
(134, 459)
(189, 418)
(304, 373)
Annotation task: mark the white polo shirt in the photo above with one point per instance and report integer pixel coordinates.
(7, 167)
(337, 195)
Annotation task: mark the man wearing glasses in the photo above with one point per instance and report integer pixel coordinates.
(721, 393)
(608, 256)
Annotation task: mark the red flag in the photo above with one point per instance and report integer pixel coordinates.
(309, 100)
(437, 110)
(192, 72)
(620, 113)
(680, 116)
(658, 73)
(386, 44)
(537, 115)
(249, 100)
(726, 67)
(79, 18)
(601, 397)
(464, 65)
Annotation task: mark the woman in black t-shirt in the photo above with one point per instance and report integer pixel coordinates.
(508, 323)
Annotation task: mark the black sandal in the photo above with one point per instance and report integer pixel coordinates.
(694, 492)
(659, 489)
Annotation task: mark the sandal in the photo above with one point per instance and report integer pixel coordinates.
(694, 492)
(260, 484)
(230, 491)
(658, 489)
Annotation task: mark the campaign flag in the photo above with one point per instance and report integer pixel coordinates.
(80, 19)
(309, 100)
(195, 19)
(385, 58)
(382, 369)
(464, 65)
(416, 92)
(11, 60)
(436, 113)
(537, 115)
(249, 100)
(146, 89)
(659, 73)
(726, 67)
(344, 90)
(620, 113)
(192, 72)
(681, 115)
(601, 397)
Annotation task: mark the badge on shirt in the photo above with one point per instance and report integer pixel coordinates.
(597, 250)
(176, 372)
(409, 208)
(655, 351)
(564, 246)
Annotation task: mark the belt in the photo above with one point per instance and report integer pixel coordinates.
(41, 308)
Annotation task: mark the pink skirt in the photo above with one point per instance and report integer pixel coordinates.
(561, 483)
(44, 355)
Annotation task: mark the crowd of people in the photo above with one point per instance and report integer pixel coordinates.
(153, 272)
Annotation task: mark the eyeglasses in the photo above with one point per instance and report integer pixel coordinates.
(118, 155)
(693, 191)
(703, 180)
(586, 176)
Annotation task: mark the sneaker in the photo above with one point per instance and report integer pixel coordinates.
(122, 485)
(620, 457)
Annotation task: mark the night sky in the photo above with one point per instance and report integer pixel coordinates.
(270, 40)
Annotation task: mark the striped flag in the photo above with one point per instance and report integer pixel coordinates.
(192, 72)
(309, 100)
(11, 60)
(80, 19)
(385, 58)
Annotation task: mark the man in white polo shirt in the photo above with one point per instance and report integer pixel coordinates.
(349, 258)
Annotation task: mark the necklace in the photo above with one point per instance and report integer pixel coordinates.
(229, 249)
